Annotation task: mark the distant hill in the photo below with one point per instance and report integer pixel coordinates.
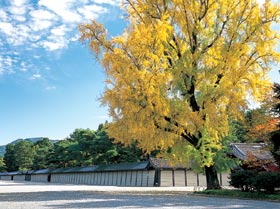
(33, 140)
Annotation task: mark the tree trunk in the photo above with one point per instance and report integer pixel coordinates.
(212, 178)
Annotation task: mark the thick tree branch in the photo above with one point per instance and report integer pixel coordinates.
(203, 3)
(187, 136)
(217, 36)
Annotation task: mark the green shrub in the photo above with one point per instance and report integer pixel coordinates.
(243, 180)
(267, 181)
(251, 180)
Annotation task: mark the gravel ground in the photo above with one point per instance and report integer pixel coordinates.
(29, 195)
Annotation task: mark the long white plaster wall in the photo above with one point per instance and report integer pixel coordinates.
(128, 175)
(224, 179)
(180, 178)
(188, 178)
(117, 178)
(6, 178)
(191, 178)
(19, 177)
(56, 178)
(166, 178)
(202, 180)
(39, 177)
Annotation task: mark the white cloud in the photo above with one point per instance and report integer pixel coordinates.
(19, 3)
(23, 67)
(59, 31)
(42, 14)
(38, 25)
(112, 2)
(7, 28)
(16, 35)
(3, 15)
(8, 62)
(23, 31)
(18, 9)
(75, 38)
(19, 18)
(70, 16)
(56, 5)
(34, 38)
(35, 76)
(52, 46)
(92, 11)
(43, 25)
(64, 8)
(50, 88)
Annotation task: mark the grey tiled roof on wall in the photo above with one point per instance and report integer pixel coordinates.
(153, 163)
(10, 173)
(99, 168)
(244, 150)
(124, 166)
(165, 164)
(42, 171)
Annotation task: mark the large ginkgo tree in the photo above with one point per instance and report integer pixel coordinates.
(182, 68)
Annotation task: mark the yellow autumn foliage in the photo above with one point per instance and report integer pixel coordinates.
(182, 68)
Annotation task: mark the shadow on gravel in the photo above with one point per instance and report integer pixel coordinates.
(86, 199)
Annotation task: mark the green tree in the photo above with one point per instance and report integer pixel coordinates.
(9, 157)
(3, 167)
(107, 151)
(182, 68)
(24, 155)
(84, 139)
(87, 147)
(104, 151)
(59, 157)
(42, 149)
(240, 130)
(132, 153)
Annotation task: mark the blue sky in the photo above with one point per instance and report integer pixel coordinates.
(49, 81)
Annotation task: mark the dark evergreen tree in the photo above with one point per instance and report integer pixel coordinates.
(59, 157)
(42, 149)
(82, 149)
(9, 157)
(24, 155)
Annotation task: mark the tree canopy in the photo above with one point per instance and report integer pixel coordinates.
(23, 155)
(83, 147)
(182, 68)
(9, 157)
(42, 149)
